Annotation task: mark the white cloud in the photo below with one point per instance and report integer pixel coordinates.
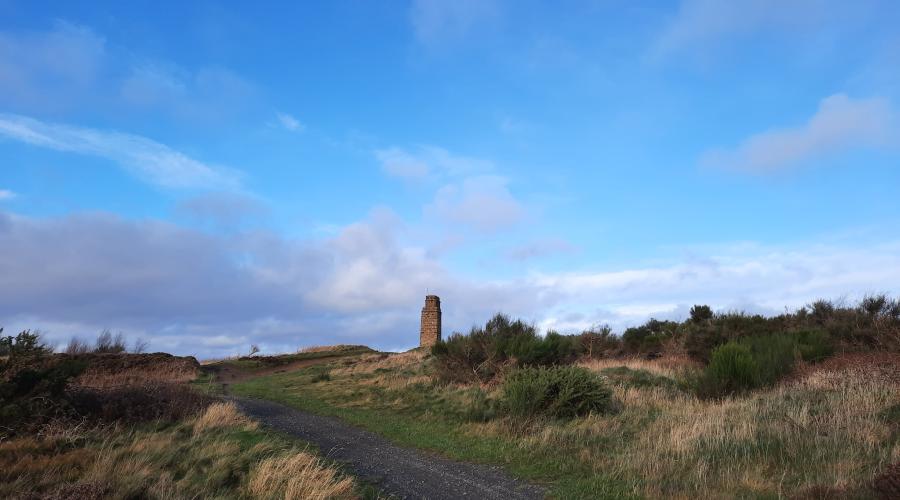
(69, 67)
(290, 123)
(421, 161)
(753, 278)
(840, 123)
(208, 93)
(400, 163)
(480, 202)
(366, 256)
(471, 197)
(192, 292)
(437, 21)
(703, 23)
(6, 194)
(149, 160)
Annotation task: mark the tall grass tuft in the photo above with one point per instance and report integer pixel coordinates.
(218, 415)
(297, 475)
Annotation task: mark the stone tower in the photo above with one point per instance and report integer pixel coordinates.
(430, 331)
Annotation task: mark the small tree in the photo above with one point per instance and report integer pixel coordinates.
(140, 345)
(107, 343)
(254, 349)
(77, 346)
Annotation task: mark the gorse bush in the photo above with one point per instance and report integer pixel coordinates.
(24, 345)
(485, 352)
(731, 369)
(872, 324)
(555, 392)
(759, 361)
(650, 336)
(814, 345)
(599, 341)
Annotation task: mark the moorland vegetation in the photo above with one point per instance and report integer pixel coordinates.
(99, 422)
(805, 404)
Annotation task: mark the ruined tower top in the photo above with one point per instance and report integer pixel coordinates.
(430, 331)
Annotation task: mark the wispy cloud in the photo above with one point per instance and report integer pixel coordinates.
(44, 69)
(421, 161)
(700, 23)
(840, 123)
(6, 194)
(290, 123)
(435, 22)
(206, 93)
(151, 161)
(540, 248)
(483, 203)
(471, 195)
(400, 163)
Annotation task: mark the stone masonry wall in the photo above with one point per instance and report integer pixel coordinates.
(430, 330)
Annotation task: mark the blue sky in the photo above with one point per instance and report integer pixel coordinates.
(207, 176)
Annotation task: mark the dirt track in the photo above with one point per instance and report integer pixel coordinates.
(397, 471)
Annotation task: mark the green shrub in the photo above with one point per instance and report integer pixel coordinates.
(26, 344)
(485, 352)
(814, 345)
(702, 337)
(760, 361)
(731, 369)
(555, 392)
(701, 313)
(648, 338)
(33, 395)
(599, 342)
(774, 356)
(481, 408)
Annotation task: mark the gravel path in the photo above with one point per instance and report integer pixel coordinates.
(397, 471)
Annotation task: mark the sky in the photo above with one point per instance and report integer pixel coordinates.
(210, 175)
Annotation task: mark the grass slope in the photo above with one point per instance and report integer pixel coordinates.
(218, 454)
(826, 433)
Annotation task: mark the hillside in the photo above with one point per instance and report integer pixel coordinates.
(828, 428)
(121, 425)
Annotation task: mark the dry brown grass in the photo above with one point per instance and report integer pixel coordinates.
(117, 370)
(387, 371)
(327, 348)
(297, 475)
(667, 367)
(203, 457)
(820, 430)
(219, 415)
(369, 363)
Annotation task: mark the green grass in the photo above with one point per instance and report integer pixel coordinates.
(432, 418)
(255, 363)
(638, 378)
(834, 432)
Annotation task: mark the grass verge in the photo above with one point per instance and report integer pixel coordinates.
(217, 454)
